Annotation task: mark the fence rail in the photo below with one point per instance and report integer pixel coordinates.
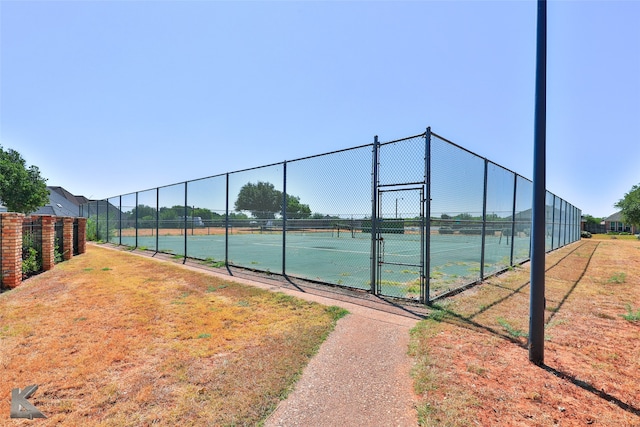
(413, 218)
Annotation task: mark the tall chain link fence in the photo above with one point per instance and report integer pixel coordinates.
(415, 218)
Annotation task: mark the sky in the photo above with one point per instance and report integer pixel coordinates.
(111, 97)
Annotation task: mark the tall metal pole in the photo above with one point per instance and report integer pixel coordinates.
(537, 299)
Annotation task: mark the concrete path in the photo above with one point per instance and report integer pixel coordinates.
(360, 377)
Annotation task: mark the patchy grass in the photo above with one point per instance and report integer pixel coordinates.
(141, 342)
(471, 355)
(632, 315)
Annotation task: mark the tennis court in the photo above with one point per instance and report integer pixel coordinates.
(343, 257)
(411, 218)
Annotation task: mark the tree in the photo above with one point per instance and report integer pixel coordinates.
(592, 220)
(630, 206)
(297, 210)
(264, 201)
(22, 189)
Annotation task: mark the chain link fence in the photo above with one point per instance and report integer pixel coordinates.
(415, 218)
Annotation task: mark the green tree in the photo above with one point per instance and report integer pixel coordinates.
(261, 199)
(264, 201)
(22, 189)
(297, 210)
(592, 220)
(630, 206)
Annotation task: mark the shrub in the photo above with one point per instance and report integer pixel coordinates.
(585, 234)
(30, 262)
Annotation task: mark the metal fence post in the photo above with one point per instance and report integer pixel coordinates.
(157, 218)
(120, 218)
(186, 228)
(226, 224)
(98, 220)
(374, 216)
(107, 227)
(427, 252)
(284, 219)
(136, 219)
(513, 217)
(484, 218)
(553, 221)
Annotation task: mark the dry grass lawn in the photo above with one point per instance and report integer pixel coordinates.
(114, 339)
(472, 358)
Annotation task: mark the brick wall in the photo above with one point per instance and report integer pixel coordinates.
(11, 247)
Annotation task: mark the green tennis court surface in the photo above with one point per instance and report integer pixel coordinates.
(343, 258)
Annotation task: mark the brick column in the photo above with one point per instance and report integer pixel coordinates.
(82, 235)
(48, 241)
(67, 238)
(11, 254)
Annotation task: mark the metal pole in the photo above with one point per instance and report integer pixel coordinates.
(553, 221)
(98, 220)
(427, 252)
(157, 217)
(513, 216)
(284, 219)
(537, 295)
(108, 203)
(120, 218)
(374, 216)
(136, 220)
(483, 229)
(226, 226)
(184, 260)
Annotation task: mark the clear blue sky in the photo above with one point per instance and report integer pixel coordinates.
(110, 97)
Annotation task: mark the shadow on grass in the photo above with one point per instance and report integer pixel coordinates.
(591, 389)
(524, 285)
(444, 315)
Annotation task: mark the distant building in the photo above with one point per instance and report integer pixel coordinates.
(614, 223)
(61, 203)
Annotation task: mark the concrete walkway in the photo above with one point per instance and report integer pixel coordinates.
(360, 377)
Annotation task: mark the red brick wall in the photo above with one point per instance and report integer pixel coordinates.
(82, 235)
(48, 241)
(11, 248)
(11, 229)
(67, 238)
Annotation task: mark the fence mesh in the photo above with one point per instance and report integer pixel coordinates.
(413, 218)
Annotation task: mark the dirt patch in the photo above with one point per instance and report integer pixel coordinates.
(472, 357)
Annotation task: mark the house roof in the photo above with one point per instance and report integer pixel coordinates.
(77, 200)
(615, 217)
(61, 203)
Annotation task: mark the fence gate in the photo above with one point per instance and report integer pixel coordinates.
(400, 242)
